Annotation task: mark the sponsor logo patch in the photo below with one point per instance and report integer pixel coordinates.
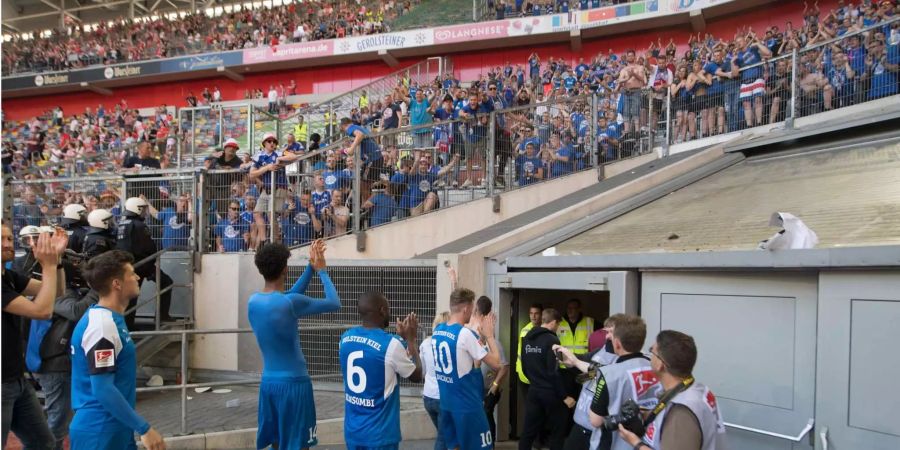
(643, 381)
(104, 358)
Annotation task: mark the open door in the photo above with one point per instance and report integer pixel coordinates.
(600, 293)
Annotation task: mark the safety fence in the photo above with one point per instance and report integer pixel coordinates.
(408, 285)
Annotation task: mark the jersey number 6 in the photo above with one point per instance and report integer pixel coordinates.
(356, 376)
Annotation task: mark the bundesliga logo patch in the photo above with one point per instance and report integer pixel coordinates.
(104, 358)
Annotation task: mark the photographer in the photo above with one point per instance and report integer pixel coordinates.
(622, 387)
(582, 431)
(21, 411)
(547, 402)
(687, 416)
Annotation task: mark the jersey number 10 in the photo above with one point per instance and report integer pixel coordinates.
(442, 360)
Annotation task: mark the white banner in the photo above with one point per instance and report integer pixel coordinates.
(387, 41)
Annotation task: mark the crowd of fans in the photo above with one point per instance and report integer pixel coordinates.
(128, 40)
(713, 85)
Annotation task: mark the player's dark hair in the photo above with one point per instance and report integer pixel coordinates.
(537, 305)
(631, 331)
(549, 315)
(271, 259)
(461, 297)
(483, 305)
(101, 270)
(677, 351)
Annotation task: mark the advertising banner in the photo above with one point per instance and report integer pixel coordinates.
(387, 41)
(203, 62)
(300, 50)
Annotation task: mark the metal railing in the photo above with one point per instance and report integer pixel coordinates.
(184, 384)
(160, 290)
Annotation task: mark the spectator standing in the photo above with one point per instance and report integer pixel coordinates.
(273, 99)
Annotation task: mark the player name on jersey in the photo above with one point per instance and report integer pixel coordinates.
(359, 401)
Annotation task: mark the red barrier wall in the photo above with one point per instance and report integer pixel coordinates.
(345, 77)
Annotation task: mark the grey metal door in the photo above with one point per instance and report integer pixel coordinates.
(859, 330)
(756, 343)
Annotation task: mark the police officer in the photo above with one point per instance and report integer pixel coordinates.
(687, 414)
(74, 220)
(534, 317)
(27, 264)
(99, 234)
(628, 378)
(134, 237)
(582, 430)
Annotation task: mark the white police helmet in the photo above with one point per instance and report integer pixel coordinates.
(100, 218)
(27, 234)
(135, 205)
(74, 211)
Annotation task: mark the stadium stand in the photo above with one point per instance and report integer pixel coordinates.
(710, 85)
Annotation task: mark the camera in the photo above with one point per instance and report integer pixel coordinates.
(629, 417)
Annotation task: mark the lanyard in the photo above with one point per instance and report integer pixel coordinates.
(663, 402)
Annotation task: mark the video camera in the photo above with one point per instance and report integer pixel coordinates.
(629, 417)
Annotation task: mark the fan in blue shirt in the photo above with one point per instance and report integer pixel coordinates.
(287, 411)
(381, 205)
(104, 362)
(530, 166)
(370, 152)
(371, 360)
(176, 223)
(232, 231)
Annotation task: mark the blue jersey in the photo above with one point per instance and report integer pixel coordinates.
(232, 233)
(102, 348)
(461, 385)
(176, 230)
(528, 168)
(273, 317)
(746, 58)
(262, 159)
(332, 179)
(371, 359)
(297, 229)
(383, 208)
(418, 185)
(368, 148)
(320, 200)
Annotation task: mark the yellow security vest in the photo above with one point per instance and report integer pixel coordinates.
(300, 131)
(577, 342)
(519, 370)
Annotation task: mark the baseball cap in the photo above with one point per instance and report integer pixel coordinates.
(232, 142)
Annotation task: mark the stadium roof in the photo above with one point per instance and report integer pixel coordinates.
(848, 196)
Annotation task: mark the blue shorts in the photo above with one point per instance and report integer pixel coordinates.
(102, 440)
(383, 447)
(286, 415)
(465, 430)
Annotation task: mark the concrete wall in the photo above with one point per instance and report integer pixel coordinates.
(423, 233)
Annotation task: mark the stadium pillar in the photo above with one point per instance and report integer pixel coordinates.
(698, 22)
(388, 58)
(575, 39)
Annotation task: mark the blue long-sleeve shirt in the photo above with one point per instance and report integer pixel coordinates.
(273, 317)
(104, 368)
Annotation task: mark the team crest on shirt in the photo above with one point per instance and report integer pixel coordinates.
(104, 358)
(174, 223)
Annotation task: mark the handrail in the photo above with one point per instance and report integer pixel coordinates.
(809, 426)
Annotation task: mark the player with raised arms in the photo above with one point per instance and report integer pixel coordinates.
(371, 359)
(287, 410)
(456, 349)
